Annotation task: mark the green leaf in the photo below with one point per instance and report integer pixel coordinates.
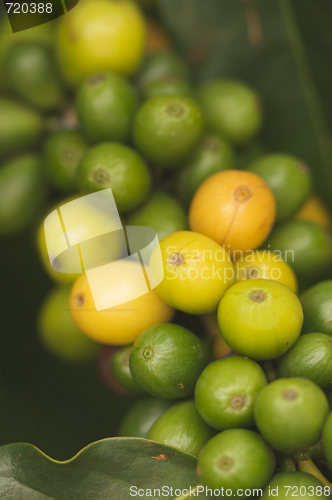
(283, 49)
(104, 470)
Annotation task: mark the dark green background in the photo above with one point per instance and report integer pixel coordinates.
(58, 408)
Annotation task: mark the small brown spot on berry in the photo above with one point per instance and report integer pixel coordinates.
(242, 193)
(257, 296)
(175, 110)
(225, 463)
(238, 401)
(79, 300)
(176, 259)
(100, 176)
(290, 394)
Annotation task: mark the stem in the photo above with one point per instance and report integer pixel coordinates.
(309, 467)
(189, 495)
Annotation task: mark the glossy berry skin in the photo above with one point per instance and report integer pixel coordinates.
(288, 178)
(137, 314)
(105, 104)
(183, 427)
(260, 318)
(306, 246)
(106, 354)
(22, 192)
(226, 390)
(317, 308)
(58, 332)
(32, 74)
(286, 483)
(264, 264)
(168, 86)
(159, 66)
(231, 108)
(213, 154)
(166, 360)
(113, 165)
(140, 418)
(20, 127)
(102, 35)
(315, 210)
(121, 371)
(234, 459)
(310, 357)
(235, 208)
(162, 212)
(290, 413)
(63, 151)
(166, 128)
(197, 272)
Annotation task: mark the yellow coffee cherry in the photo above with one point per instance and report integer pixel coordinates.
(100, 35)
(197, 272)
(264, 264)
(315, 210)
(121, 324)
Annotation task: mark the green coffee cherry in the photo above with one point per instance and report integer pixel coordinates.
(284, 482)
(39, 34)
(231, 108)
(63, 152)
(166, 129)
(121, 371)
(105, 104)
(289, 179)
(160, 66)
(305, 246)
(316, 452)
(226, 390)
(167, 86)
(213, 154)
(166, 360)
(31, 74)
(140, 418)
(290, 413)
(22, 192)
(236, 459)
(317, 308)
(183, 427)
(20, 127)
(113, 165)
(58, 332)
(311, 358)
(163, 213)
